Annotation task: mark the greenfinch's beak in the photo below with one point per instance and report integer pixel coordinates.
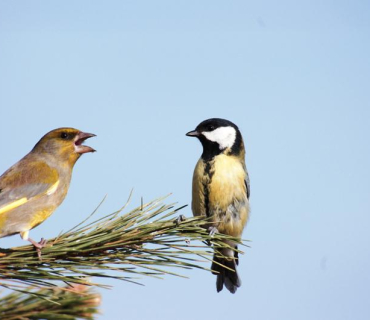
(194, 133)
(79, 140)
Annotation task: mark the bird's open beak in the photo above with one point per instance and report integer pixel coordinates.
(80, 138)
(193, 133)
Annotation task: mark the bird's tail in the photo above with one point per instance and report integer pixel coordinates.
(224, 266)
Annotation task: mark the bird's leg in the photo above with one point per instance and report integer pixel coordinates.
(179, 219)
(38, 245)
(212, 231)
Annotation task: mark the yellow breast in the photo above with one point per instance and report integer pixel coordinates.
(227, 182)
(219, 190)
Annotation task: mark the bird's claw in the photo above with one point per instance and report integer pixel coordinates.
(212, 231)
(38, 245)
(179, 219)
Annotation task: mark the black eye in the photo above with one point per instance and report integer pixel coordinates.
(64, 135)
(211, 127)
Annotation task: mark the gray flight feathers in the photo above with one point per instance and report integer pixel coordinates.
(25, 191)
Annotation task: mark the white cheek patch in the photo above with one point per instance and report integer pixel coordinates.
(224, 136)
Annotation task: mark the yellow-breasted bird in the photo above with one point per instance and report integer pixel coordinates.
(35, 186)
(221, 191)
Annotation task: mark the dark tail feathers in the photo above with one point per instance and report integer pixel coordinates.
(226, 277)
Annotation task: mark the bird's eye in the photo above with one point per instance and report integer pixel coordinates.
(64, 135)
(211, 128)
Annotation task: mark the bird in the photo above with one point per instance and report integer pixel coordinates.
(33, 188)
(220, 192)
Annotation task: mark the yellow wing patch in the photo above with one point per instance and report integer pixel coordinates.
(13, 205)
(53, 188)
(19, 202)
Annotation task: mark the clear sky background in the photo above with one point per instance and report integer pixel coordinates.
(293, 75)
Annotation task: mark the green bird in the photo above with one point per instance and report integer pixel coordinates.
(33, 188)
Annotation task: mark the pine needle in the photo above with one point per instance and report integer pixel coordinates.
(61, 303)
(146, 241)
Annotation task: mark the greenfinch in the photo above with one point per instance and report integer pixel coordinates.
(34, 187)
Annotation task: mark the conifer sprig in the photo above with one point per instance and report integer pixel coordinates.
(146, 241)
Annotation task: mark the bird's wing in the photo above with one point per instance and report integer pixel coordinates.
(247, 185)
(24, 182)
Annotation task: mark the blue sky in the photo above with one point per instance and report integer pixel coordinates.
(294, 76)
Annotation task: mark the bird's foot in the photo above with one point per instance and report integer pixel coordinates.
(212, 231)
(179, 219)
(38, 245)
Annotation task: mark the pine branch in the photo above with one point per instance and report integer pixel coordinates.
(143, 242)
(62, 303)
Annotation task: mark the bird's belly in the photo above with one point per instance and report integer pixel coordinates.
(229, 205)
(232, 220)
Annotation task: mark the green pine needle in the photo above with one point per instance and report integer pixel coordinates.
(146, 241)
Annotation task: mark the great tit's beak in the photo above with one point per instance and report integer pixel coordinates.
(79, 140)
(193, 133)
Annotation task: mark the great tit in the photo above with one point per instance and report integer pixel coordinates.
(221, 191)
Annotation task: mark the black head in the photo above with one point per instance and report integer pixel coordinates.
(218, 136)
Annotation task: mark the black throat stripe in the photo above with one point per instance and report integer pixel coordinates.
(208, 171)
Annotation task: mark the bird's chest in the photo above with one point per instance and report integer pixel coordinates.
(218, 186)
